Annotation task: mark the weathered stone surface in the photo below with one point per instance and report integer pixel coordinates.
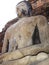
(4, 30)
(37, 9)
(28, 55)
(41, 56)
(46, 62)
(20, 34)
(20, 53)
(38, 3)
(42, 10)
(1, 40)
(23, 61)
(27, 60)
(40, 7)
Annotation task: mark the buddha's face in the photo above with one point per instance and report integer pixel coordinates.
(21, 6)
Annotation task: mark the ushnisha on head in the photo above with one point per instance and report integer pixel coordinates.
(23, 9)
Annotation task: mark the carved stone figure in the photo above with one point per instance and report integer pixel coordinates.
(21, 34)
(24, 8)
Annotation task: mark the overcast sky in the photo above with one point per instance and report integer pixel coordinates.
(7, 11)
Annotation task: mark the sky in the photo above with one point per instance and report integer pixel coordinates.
(7, 11)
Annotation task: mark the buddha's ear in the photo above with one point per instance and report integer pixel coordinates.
(24, 12)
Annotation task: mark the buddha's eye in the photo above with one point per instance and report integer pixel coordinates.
(17, 9)
(22, 5)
